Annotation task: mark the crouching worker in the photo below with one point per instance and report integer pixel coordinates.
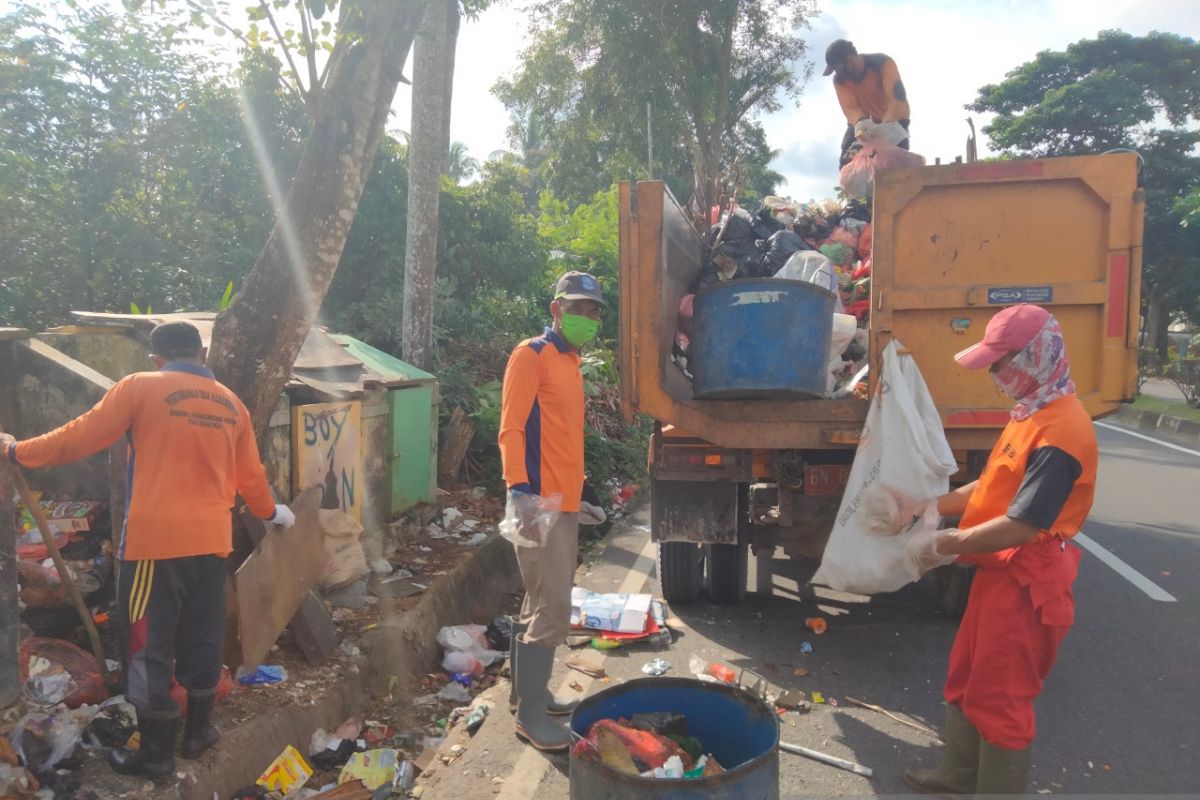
(191, 450)
(541, 447)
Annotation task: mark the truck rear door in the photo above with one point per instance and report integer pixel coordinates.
(953, 244)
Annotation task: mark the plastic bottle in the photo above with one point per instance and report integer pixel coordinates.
(698, 667)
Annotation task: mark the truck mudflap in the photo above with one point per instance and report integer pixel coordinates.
(703, 512)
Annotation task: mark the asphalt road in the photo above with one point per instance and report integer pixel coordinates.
(1120, 714)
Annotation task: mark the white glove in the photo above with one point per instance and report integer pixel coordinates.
(283, 517)
(863, 128)
(889, 511)
(921, 550)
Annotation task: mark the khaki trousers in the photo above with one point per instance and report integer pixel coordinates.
(549, 574)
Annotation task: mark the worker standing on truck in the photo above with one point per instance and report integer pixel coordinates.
(1017, 522)
(191, 449)
(541, 447)
(869, 90)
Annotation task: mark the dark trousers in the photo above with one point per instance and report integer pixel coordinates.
(848, 139)
(175, 625)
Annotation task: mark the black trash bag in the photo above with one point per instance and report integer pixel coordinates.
(333, 758)
(855, 208)
(499, 633)
(779, 248)
(765, 224)
(738, 231)
(813, 228)
(664, 723)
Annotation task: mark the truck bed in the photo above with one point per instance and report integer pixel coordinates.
(952, 245)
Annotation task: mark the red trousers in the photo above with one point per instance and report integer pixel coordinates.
(1017, 614)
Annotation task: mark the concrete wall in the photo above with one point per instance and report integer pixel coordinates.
(113, 353)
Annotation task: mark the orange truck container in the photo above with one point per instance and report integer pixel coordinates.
(952, 245)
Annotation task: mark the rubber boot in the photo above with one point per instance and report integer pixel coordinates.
(199, 733)
(155, 756)
(960, 764)
(556, 707)
(1002, 771)
(533, 725)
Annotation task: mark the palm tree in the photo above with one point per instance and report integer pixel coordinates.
(460, 167)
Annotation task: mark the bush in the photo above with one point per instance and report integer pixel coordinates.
(1185, 373)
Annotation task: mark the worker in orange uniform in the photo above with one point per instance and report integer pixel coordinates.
(191, 449)
(869, 90)
(541, 447)
(1016, 525)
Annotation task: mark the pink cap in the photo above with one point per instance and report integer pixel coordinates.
(1008, 332)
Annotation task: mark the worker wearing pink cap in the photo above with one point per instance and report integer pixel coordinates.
(1016, 523)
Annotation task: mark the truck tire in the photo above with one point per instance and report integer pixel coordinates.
(954, 584)
(728, 564)
(680, 571)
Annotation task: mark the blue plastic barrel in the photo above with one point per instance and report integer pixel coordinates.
(760, 338)
(736, 727)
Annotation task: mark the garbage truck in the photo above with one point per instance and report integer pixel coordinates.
(952, 245)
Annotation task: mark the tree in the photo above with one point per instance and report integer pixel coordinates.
(1120, 91)
(256, 340)
(705, 67)
(433, 73)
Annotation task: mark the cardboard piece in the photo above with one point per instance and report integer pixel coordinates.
(273, 582)
(622, 613)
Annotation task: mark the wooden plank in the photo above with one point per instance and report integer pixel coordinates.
(273, 581)
(312, 625)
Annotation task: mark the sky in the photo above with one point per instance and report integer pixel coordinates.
(945, 49)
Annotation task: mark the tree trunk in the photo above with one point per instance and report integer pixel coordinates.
(256, 340)
(427, 153)
(1158, 317)
(459, 433)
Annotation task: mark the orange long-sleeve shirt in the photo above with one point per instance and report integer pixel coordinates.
(541, 419)
(879, 94)
(191, 449)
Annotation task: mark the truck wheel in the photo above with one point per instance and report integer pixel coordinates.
(727, 567)
(680, 571)
(954, 582)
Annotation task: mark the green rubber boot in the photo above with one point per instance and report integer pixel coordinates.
(1002, 771)
(556, 707)
(959, 769)
(533, 725)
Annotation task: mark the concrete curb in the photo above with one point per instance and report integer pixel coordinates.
(404, 646)
(1181, 431)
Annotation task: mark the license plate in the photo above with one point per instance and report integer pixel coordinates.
(826, 479)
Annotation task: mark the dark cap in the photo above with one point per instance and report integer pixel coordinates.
(175, 340)
(836, 53)
(578, 286)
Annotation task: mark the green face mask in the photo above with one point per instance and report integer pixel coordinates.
(578, 330)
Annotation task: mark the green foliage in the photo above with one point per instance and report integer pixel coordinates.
(578, 100)
(1119, 91)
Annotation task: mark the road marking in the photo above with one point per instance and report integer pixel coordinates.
(1137, 435)
(1152, 589)
(522, 782)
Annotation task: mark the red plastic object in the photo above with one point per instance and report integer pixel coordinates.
(80, 664)
(224, 686)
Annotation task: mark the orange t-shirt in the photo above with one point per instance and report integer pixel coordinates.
(191, 449)
(1059, 437)
(541, 419)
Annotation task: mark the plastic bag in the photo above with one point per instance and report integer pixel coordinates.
(844, 328)
(88, 687)
(529, 518)
(778, 249)
(840, 254)
(811, 266)
(864, 242)
(904, 446)
(887, 132)
(466, 649)
(43, 740)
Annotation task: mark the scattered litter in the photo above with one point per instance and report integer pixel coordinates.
(398, 584)
(599, 643)
(381, 566)
(833, 702)
(454, 692)
(264, 674)
(499, 633)
(467, 649)
(818, 698)
(349, 649)
(288, 772)
(582, 662)
(425, 549)
(622, 613)
(792, 700)
(800, 672)
(806, 647)
(816, 624)
(353, 595)
(462, 677)
(451, 518)
(435, 532)
(426, 700)
(477, 716)
(908, 723)
(474, 539)
(376, 768)
(711, 671)
(578, 639)
(659, 666)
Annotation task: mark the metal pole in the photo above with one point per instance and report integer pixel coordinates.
(815, 755)
(649, 145)
(10, 610)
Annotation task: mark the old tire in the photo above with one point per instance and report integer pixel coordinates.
(680, 571)
(954, 584)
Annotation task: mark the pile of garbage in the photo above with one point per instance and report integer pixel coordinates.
(652, 745)
(824, 242)
(608, 621)
(81, 529)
